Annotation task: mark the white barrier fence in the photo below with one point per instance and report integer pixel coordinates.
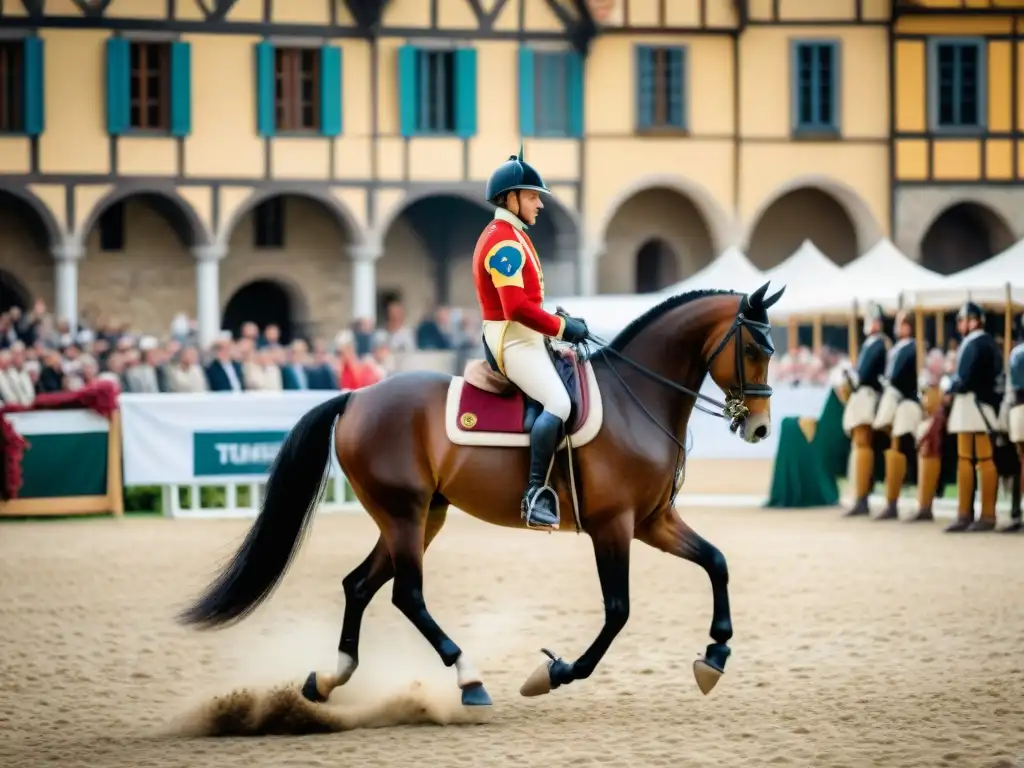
(210, 452)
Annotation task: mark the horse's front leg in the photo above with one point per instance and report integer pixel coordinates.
(611, 542)
(667, 531)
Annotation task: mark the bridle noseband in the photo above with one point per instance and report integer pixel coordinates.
(734, 409)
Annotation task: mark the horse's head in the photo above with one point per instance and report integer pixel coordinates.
(741, 348)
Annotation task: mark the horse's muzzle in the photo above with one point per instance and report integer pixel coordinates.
(755, 427)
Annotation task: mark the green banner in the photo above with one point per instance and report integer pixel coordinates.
(234, 453)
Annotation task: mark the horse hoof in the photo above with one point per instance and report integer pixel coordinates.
(310, 691)
(475, 696)
(706, 675)
(539, 682)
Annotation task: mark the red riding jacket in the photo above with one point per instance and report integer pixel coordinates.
(509, 280)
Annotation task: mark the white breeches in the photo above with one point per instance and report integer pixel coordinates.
(966, 416)
(526, 363)
(860, 409)
(1015, 421)
(897, 413)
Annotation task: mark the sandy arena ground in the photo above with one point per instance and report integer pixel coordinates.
(857, 643)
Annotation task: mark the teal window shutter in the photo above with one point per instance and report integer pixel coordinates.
(574, 86)
(34, 88)
(465, 92)
(181, 89)
(527, 97)
(118, 85)
(266, 123)
(330, 90)
(644, 86)
(408, 57)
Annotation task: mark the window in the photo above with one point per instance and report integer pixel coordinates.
(661, 88)
(268, 223)
(815, 86)
(297, 89)
(150, 86)
(435, 78)
(957, 84)
(112, 228)
(12, 87)
(551, 93)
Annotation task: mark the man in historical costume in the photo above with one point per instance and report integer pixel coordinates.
(859, 415)
(972, 397)
(899, 412)
(1015, 419)
(517, 330)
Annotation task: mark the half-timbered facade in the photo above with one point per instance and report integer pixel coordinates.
(304, 161)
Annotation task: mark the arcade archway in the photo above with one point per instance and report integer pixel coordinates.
(963, 235)
(807, 213)
(266, 302)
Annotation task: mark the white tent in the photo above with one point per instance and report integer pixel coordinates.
(607, 314)
(884, 273)
(985, 282)
(814, 283)
(731, 271)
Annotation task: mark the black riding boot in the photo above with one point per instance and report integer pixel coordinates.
(540, 504)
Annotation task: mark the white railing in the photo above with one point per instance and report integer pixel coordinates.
(242, 500)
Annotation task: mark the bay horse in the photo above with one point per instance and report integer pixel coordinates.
(409, 447)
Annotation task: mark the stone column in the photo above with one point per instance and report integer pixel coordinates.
(364, 281)
(65, 281)
(208, 258)
(586, 272)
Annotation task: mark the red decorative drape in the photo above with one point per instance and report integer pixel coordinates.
(100, 397)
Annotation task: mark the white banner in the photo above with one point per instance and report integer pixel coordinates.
(227, 437)
(211, 438)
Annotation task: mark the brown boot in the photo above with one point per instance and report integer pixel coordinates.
(928, 470)
(960, 525)
(859, 509)
(988, 486)
(895, 472)
(1013, 527)
(863, 466)
(964, 493)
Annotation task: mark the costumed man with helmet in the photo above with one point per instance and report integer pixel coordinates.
(517, 330)
(1015, 419)
(859, 414)
(899, 412)
(972, 398)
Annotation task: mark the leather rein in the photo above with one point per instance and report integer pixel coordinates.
(734, 409)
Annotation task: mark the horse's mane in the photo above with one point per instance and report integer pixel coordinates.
(630, 332)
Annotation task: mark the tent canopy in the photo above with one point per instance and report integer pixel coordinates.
(731, 271)
(814, 284)
(984, 283)
(884, 273)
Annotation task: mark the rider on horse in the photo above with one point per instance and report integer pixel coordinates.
(517, 330)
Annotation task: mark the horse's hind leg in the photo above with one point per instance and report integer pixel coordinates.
(405, 537)
(360, 586)
(669, 533)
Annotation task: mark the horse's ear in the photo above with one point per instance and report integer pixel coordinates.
(774, 298)
(757, 297)
(744, 305)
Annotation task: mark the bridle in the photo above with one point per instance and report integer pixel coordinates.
(734, 408)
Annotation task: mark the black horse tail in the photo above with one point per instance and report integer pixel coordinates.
(298, 479)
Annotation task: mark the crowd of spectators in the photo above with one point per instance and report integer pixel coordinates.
(805, 368)
(39, 354)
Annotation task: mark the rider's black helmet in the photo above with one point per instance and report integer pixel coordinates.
(971, 310)
(514, 173)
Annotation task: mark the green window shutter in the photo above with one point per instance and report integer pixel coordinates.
(527, 97)
(118, 85)
(574, 86)
(265, 113)
(465, 92)
(407, 89)
(330, 91)
(34, 87)
(181, 89)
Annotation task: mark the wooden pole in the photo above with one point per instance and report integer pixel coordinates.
(1008, 318)
(940, 330)
(792, 334)
(115, 486)
(853, 333)
(816, 343)
(919, 335)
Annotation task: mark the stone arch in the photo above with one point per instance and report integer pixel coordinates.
(655, 213)
(319, 234)
(657, 266)
(720, 225)
(13, 292)
(964, 234)
(28, 233)
(268, 301)
(43, 224)
(163, 200)
(351, 230)
(838, 201)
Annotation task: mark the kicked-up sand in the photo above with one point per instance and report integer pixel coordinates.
(857, 643)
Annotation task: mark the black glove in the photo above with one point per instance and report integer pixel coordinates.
(575, 330)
